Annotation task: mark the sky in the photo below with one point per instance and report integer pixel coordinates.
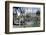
(25, 9)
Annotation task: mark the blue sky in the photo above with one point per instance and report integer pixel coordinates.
(28, 9)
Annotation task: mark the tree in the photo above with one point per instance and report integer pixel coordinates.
(38, 13)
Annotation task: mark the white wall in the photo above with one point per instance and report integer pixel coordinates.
(2, 18)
